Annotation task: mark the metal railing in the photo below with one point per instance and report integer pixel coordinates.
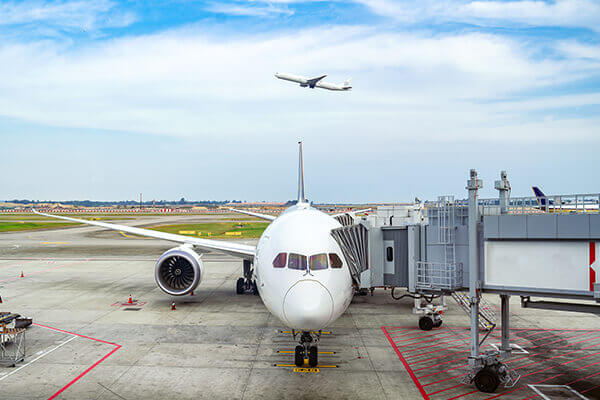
(568, 203)
(439, 276)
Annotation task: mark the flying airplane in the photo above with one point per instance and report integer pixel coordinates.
(314, 82)
(554, 204)
(299, 270)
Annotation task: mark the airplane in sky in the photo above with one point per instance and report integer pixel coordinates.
(571, 203)
(314, 82)
(297, 267)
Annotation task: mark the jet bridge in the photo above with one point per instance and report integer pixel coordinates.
(545, 246)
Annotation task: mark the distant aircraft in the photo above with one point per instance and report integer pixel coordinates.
(299, 269)
(555, 204)
(314, 82)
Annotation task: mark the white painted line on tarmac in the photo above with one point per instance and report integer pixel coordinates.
(569, 388)
(38, 357)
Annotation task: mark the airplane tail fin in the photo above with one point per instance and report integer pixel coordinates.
(347, 83)
(301, 196)
(539, 195)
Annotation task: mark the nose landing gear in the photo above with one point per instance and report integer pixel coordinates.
(307, 348)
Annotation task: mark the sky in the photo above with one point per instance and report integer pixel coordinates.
(104, 99)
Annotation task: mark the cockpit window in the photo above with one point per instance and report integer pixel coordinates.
(335, 260)
(280, 260)
(318, 261)
(297, 261)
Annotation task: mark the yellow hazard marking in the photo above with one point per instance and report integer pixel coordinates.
(187, 232)
(233, 233)
(294, 366)
(306, 370)
(55, 242)
(132, 237)
(292, 352)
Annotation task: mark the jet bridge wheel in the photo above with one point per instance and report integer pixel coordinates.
(487, 379)
(299, 356)
(426, 323)
(313, 356)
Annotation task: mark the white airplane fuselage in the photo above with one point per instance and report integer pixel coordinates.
(317, 83)
(303, 299)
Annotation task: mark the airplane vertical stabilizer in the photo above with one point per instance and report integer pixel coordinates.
(301, 196)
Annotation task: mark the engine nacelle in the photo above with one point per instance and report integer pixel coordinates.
(178, 271)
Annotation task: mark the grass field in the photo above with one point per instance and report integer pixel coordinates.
(30, 217)
(217, 230)
(11, 226)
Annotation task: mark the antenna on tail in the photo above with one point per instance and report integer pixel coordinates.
(301, 196)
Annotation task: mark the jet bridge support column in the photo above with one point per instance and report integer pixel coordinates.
(472, 185)
(486, 370)
(505, 345)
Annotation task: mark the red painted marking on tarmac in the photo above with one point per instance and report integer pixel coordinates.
(412, 375)
(117, 347)
(559, 335)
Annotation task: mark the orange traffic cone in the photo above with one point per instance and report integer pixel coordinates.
(22, 276)
(130, 300)
(0, 299)
(173, 306)
(192, 293)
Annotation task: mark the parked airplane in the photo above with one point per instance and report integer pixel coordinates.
(314, 82)
(572, 203)
(300, 271)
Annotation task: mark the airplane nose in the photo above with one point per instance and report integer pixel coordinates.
(307, 305)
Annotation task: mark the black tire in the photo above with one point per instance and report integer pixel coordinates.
(425, 323)
(254, 288)
(313, 356)
(299, 356)
(239, 287)
(438, 324)
(487, 380)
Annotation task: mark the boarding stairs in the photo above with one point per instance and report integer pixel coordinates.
(487, 314)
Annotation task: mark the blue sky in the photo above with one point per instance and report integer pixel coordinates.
(105, 99)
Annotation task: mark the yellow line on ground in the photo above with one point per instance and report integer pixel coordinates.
(54, 242)
(292, 352)
(294, 365)
(132, 237)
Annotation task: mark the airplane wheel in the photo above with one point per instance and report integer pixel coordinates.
(487, 380)
(239, 288)
(299, 356)
(254, 288)
(438, 324)
(426, 323)
(313, 356)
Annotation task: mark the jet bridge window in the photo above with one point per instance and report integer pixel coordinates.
(318, 261)
(335, 260)
(297, 261)
(280, 260)
(389, 253)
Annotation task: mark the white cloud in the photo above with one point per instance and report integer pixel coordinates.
(564, 13)
(407, 86)
(252, 9)
(68, 14)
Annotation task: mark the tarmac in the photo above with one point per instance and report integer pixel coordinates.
(88, 342)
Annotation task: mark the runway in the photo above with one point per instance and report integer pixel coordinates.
(89, 343)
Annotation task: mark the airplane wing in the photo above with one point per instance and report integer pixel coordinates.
(352, 212)
(313, 81)
(235, 249)
(257, 215)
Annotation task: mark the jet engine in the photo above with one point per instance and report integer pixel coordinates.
(179, 271)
